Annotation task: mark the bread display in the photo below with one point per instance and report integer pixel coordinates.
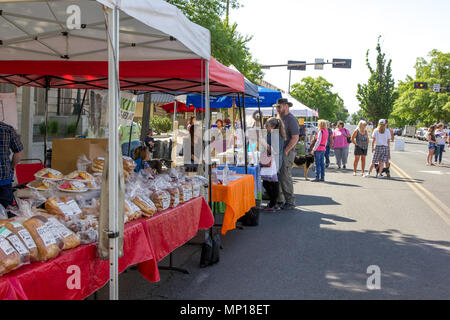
(161, 199)
(43, 237)
(185, 192)
(98, 164)
(145, 204)
(24, 253)
(48, 173)
(9, 257)
(80, 175)
(19, 230)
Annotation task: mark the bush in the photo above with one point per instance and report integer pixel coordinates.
(161, 124)
(71, 129)
(52, 128)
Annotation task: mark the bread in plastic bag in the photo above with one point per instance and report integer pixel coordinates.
(88, 236)
(43, 237)
(3, 213)
(19, 230)
(9, 257)
(145, 204)
(14, 240)
(98, 164)
(161, 199)
(69, 238)
(132, 212)
(83, 163)
(62, 207)
(174, 193)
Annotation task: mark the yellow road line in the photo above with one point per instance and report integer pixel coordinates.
(442, 210)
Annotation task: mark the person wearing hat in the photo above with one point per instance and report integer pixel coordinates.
(380, 147)
(291, 126)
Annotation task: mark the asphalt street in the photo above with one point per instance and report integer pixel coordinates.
(324, 248)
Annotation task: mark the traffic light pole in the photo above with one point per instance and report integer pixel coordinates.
(302, 64)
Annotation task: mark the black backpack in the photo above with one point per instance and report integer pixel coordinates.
(251, 218)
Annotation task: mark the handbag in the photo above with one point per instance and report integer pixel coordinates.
(349, 140)
(251, 218)
(210, 251)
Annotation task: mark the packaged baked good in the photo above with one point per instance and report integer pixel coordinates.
(62, 207)
(41, 184)
(128, 164)
(80, 176)
(14, 240)
(43, 237)
(9, 257)
(72, 186)
(88, 236)
(48, 173)
(98, 164)
(145, 204)
(83, 163)
(3, 213)
(161, 199)
(174, 193)
(19, 230)
(132, 212)
(70, 239)
(185, 191)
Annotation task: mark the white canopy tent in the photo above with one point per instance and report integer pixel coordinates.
(298, 109)
(109, 30)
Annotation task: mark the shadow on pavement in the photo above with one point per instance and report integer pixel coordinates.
(301, 255)
(310, 200)
(398, 179)
(341, 184)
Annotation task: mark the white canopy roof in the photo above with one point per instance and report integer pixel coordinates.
(149, 30)
(298, 109)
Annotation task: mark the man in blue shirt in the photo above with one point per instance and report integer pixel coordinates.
(9, 141)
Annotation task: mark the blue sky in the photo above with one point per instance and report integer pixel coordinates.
(303, 30)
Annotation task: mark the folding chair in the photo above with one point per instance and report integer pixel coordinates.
(25, 171)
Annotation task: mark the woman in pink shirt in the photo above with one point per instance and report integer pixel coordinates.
(340, 135)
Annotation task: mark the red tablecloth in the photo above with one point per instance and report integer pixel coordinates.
(170, 229)
(48, 280)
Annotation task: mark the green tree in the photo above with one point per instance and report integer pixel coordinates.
(358, 116)
(423, 106)
(377, 96)
(316, 93)
(228, 46)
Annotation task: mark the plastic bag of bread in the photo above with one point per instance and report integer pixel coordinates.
(88, 236)
(161, 199)
(70, 239)
(132, 212)
(98, 164)
(174, 193)
(63, 207)
(195, 186)
(19, 230)
(146, 205)
(83, 163)
(185, 191)
(9, 257)
(3, 213)
(14, 240)
(128, 164)
(48, 173)
(43, 237)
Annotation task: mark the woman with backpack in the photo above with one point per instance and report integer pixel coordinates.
(360, 139)
(341, 138)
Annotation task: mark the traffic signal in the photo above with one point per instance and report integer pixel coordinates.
(420, 85)
(302, 68)
(343, 63)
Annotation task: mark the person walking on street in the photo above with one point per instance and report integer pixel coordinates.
(124, 134)
(292, 136)
(9, 141)
(329, 145)
(380, 143)
(319, 150)
(360, 139)
(431, 138)
(440, 143)
(388, 164)
(340, 140)
(275, 132)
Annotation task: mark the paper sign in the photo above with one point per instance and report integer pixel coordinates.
(127, 108)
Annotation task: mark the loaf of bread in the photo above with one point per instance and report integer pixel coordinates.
(52, 207)
(174, 193)
(9, 257)
(14, 240)
(132, 212)
(161, 199)
(43, 237)
(26, 238)
(98, 165)
(128, 166)
(70, 239)
(145, 204)
(185, 192)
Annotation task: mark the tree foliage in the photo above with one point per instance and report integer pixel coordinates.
(377, 96)
(316, 93)
(358, 116)
(228, 46)
(423, 106)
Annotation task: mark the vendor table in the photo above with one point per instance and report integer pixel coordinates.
(239, 198)
(145, 241)
(253, 170)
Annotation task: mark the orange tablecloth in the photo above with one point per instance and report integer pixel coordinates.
(239, 197)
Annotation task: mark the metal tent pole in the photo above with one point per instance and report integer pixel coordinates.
(47, 88)
(260, 114)
(113, 109)
(245, 135)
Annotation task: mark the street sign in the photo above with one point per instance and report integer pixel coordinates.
(343, 63)
(420, 85)
(436, 87)
(319, 64)
(303, 68)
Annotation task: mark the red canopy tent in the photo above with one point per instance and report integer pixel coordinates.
(175, 76)
(181, 107)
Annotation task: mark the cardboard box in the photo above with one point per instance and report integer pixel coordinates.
(65, 152)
